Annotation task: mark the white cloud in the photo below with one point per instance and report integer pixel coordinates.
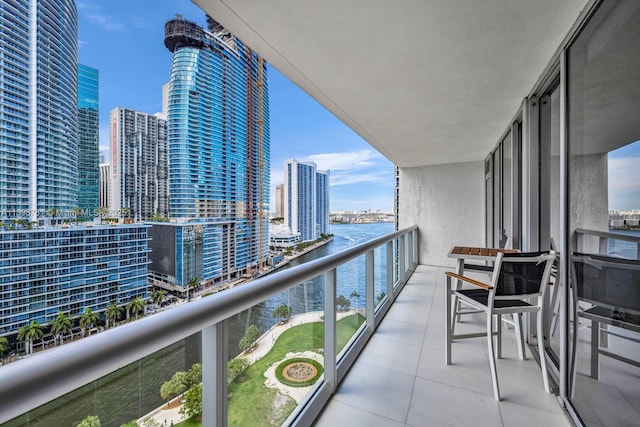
(624, 174)
(92, 12)
(348, 160)
(349, 167)
(355, 178)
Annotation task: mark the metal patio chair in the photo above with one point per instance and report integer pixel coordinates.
(517, 280)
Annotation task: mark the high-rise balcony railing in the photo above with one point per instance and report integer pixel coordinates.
(324, 328)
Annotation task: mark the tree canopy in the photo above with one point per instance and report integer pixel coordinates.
(29, 333)
(135, 306)
(88, 319)
(90, 421)
(283, 313)
(192, 406)
(235, 367)
(249, 339)
(173, 387)
(61, 326)
(112, 313)
(342, 303)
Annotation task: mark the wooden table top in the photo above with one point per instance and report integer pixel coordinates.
(465, 251)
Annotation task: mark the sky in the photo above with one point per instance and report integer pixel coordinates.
(624, 176)
(124, 40)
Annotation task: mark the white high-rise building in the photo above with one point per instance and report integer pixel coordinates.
(139, 168)
(306, 195)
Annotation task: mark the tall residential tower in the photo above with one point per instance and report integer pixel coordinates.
(88, 140)
(306, 194)
(39, 114)
(218, 135)
(138, 164)
(48, 166)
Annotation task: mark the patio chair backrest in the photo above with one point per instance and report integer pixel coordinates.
(607, 281)
(523, 273)
(505, 242)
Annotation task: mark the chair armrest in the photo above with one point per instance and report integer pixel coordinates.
(468, 280)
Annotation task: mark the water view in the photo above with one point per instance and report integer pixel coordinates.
(133, 391)
(624, 248)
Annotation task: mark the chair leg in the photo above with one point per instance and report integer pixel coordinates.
(519, 335)
(499, 336)
(455, 307)
(448, 329)
(543, 360)
(492, 359)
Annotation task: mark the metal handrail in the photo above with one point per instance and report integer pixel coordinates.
(608, 235)
(604, 237)
(43, 377)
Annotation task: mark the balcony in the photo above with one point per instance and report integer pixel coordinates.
(401, 379)
(388, 371)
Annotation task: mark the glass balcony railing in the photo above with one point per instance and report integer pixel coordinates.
(270, 352)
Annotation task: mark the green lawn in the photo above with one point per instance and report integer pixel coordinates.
(250, 402)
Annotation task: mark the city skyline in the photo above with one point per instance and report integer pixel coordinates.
(134, 64)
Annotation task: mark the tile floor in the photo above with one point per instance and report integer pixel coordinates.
(400, 379)
(614, 398)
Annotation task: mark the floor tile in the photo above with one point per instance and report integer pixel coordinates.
(393, 355)
(410, 309)
(433, 403)
(377, 390)
(407, 332)
(469, 371)
(514, 414)
(338, 414)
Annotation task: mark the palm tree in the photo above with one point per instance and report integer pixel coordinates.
(192, 285)
(356, 296)
(53, 212)
(158, 296)
(60, 326)
(135, 306)
(112, 313)
(89, 319)
(4, 346)
(77, 211)
(27, 334)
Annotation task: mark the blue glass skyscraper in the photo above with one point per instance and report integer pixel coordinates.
(47, 268)
(38, 121)
(218, 137)
(88, 140)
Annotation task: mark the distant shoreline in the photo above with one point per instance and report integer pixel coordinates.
(289, 258)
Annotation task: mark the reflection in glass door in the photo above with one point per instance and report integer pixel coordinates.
(603, 127)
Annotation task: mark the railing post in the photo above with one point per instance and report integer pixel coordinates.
(415, 246)
(604, 247)
(390, 268)
(579, 242)
(214, 375)
(409, 250)
(330, 341)
(369, 294)
(402, 268)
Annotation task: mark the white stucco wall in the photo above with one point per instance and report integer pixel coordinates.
(589, 196)
(447, 203)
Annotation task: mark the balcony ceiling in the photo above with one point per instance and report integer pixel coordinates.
(424, 82)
